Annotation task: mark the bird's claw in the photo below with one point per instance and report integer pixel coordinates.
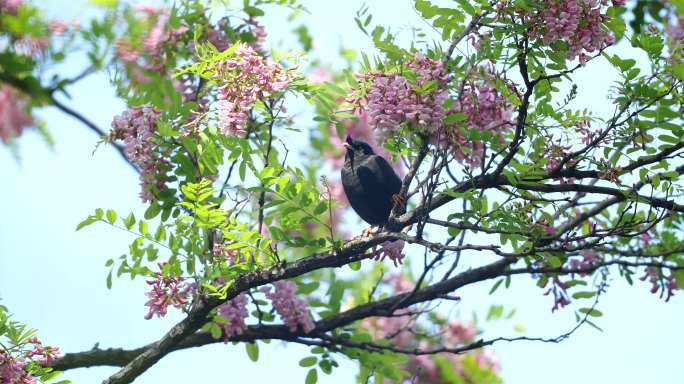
(368, 232)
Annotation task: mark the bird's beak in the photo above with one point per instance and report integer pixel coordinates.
(348, 146)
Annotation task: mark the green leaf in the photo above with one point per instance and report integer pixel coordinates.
(455, 118)
(583, 295)
(311, 377)
(321, 207)
(89, 220)
(252, 351)
(152, 211)
(591, 312)
(111, 216)
(308, 361)
(99, 213)
(496, 286)
(129, 221)
(142, 227)
(104, 3)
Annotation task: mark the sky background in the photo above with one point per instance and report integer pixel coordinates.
(53, 278)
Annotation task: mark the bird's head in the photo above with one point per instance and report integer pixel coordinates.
(357, 148)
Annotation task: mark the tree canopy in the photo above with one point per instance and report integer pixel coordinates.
(239, 144)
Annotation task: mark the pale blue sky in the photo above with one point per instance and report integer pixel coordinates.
(54, 278)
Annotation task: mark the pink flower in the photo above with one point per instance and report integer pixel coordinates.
(58, 27)
(146, 8)
(658, 281)
(578, 23)
(46, 354)
(646, 238)
(397, 327)
(393, 250)
(218, 37)
(125, 51)
(12, 369)
(485, 110)
(137, 127)
(156, 37)
(32, 46)
(234, 312)
(399, 283)
(167, 291)
(392, 100)
(292, 310)
(259, 33)
(10, 6)
(246, 78)
(457, 333)
(320, 75)
(13, 119)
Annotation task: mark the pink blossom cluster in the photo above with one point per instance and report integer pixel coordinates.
(675, 30)
(393, 100)
(320, 75)
(234, 312)
(486, 110)
(454, 334)
(136, 127)
(230, 255)
(13, 118)
(246, 78)
(559, 291)
(587, 260)
(259, 33)
(659, 282)
(217, 35)
(58, 27)
(12, 369)
(576, 22)
(400, 326)
(588, 135)
(44, 354)
(158, 34)
(555, 154)
(292, 310)
(393, 250)
(402, 329)
(10, 6)
(165, 291)
(33, 46)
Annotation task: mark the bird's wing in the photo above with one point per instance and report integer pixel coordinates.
(376, 173)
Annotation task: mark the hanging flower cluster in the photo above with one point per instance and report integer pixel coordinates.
(292, 310)
(136, 127)
(486, 110)
(174, 291)
(392, 250)
(234, 312)
(659, 282)
(393, 99)
(13, 118)
(145, 52)
(403, 330)
(10, 6)
(246, 78)
(578, 23)
(13, 369)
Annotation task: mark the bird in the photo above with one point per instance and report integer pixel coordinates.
(371, 185)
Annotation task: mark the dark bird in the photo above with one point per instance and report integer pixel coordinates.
(370, 183)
